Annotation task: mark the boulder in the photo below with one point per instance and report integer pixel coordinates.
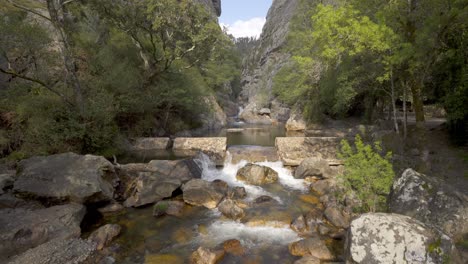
(59, 251)
(279, 111)
(178, 169)
(104, 235)
(296, 123)
(264, 111)
(22, 229)
(237, 193)
(230, 209)
(67, 177)
(151, 187)
(173, 208)
(314, 167)
(323, 187)
(293, 150)
(214, 147)
(206, 256)
(308, 223)
(257, 174)
(251, 115)
(203, 193)
(6, 181)
(313, 246)
(430, 201)
(111, 208)
(252, 154)
(234, 247)
(337, 217)
(9, 201)
(152, 143)
(308, 260)
(393, 238)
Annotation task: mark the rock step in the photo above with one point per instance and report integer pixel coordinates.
(293, 150)
(252, 154)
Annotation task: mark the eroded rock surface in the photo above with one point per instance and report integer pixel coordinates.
(203, 193)
(151, 187)
(257, 174)
(104, 235)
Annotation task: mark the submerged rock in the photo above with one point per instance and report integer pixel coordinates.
(22, 229)
(234, 247)
(199, 192)
(392, 238)
(313, 246)
(430, 201)
(230, 209)
(173, 208)
(59, 251)
(206, 256)
(104, 235)
(68, 177)
(257, 174)
(111, 208)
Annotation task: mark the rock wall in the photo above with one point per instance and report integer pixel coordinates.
(266, 60)
(213, 5)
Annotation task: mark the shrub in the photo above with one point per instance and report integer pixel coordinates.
(368, 173)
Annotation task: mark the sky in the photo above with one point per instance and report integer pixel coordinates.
(244, 18)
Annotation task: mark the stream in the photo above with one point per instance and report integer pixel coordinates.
(264, 232)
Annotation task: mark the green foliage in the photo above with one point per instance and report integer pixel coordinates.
(368, 173)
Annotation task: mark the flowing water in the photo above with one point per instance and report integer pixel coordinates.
(264, 232)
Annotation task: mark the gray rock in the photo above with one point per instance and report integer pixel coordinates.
(296, 123)
(6, 180)
(22, 229)
(230, 209)
(392, 238)
(59, 251)
(111, 208)
(9, 201)
(257, 174)
(337, 217)
(293, 150)
(151, 187)
(68, 177)
(313, 246)
(203, 193)
(237, 193)
(264, 111)
(313, 167)
(430, 201)
(104, 235)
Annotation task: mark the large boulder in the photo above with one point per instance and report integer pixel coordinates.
(251, 114)
(203, 193)
(231, 209)
(252, 154)
(392, 238)
(151, 143)
(59, 251)
(313, 167)
(296, 123)
(22, 229)
(313, 246)
(257, 174)
(214, 147)
(430, 201)
(293, 150)
(67, 177)
(151, 187)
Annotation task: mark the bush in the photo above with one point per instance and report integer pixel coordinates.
(368, 173)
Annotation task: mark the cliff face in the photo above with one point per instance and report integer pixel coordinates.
(213, 5)
(264, 63)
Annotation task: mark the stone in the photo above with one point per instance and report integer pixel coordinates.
(252, 154)
(393, 238)
(230, 209)
(9, 201)
(307, 224)
(234, 247)
(67, 177)
(237, 193)
(296, 123)
(111, 208)
(308, 260)
(206, 256)
(257, 174)
(104, 235)
(151, 143)
(313, 167)
(59, 251)
(293, 150)
(251, 115)
(264, 199)
(173, 208)
(22, 229)
(430, 201)
(163, 259)
(337, 217)
(313, 246)
(323, 187)
(6, 181)
(214, 147)
(264, 111)
(151, 187)
(199, 192)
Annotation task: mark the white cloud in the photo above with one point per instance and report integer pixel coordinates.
(249, 28)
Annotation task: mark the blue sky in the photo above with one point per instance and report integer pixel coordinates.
(244, 17)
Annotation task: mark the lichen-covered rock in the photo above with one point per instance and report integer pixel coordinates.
(313, 246)
(293, 150)
(104, 235)
(199, 192)
(230, 209)
(430, 201)
(22, 229)
(257, 174)
(67, 176)
(206, 256)
(392, 238)
(59, 251)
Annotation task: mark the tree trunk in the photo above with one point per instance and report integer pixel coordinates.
(405, 113)
(395, 120)
(418, 105)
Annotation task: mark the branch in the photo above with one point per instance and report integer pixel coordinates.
(43, 84)
(29, 10)
(67, 2)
